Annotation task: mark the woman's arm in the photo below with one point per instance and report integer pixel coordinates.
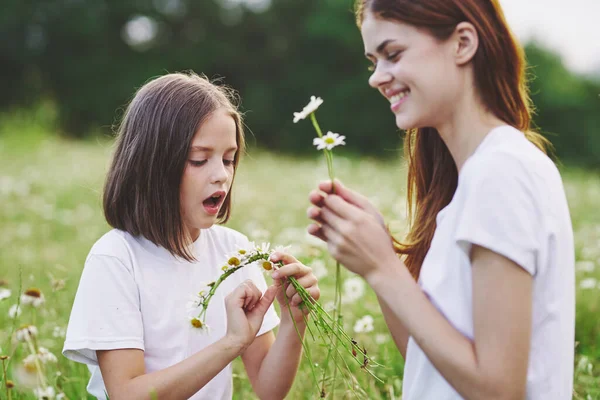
(494, 364)
(316, 197)
(124, 373)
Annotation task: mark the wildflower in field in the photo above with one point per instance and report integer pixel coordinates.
(319, 269)
(381, 338)
(26, 333)
(364, 325)
(57, 284)
(14, 311)
(354, 289)
(33, 296)
(585, 266)
(59, 332)
(329, 141)
(46, 356)
(588, 283)
(310, 108)
(46, 393)
(4, 293)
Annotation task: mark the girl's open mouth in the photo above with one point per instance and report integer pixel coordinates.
(213, 203)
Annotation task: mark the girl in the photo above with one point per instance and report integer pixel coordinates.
(170, 181)
(491, 243)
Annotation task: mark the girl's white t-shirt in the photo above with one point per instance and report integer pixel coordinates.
(510, 199)
(133, 294)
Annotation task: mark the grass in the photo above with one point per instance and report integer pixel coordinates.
(50, 215)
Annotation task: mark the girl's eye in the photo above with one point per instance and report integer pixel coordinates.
(228, 163)
(195, 163)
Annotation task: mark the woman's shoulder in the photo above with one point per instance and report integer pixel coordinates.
(507, 154)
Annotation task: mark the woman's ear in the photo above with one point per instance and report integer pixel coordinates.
(467, 41)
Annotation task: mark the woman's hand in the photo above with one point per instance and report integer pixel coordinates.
(352, 227)
(317, 197)
(246, 307)
(304, 276)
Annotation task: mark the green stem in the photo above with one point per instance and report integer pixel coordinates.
(304, 346)
(38, 366)
(316, 124)
(5, 378)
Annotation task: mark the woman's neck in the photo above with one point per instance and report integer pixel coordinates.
(466, 127)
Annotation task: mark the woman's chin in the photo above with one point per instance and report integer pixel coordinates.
(404, 122)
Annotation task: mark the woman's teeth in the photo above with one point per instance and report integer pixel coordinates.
(397, 97)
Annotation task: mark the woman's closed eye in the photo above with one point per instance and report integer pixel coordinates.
(392, 57)
(228, 163)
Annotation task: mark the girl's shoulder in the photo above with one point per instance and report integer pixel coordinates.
(226, 236)
(114, 243)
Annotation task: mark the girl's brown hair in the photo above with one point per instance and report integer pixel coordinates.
(141, 193)
(499, 69)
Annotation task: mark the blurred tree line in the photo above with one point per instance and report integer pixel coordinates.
(88, 57)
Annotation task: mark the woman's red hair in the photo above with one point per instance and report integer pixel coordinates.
(500, 79)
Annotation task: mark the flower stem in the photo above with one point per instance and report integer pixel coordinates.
(5, 378)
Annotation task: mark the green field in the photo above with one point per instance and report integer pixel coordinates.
(50, 215)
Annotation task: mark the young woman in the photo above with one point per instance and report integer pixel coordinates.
(170, 182)
(491, 315)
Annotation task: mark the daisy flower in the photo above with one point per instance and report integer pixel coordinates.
(33, 296)
(5, 293)
(310, 108)
(364, 325)
(26, 333)
(329, 141)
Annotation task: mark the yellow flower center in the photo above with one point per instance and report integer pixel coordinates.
(196, 323)
(329, 140)
(225, 267)
(234, 261)
(267, 265)
(242, 252)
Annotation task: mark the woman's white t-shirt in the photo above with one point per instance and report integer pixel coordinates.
(133, 294)
(510, 199)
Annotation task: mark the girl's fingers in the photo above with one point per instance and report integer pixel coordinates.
(295, 269)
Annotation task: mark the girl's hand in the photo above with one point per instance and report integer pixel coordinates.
(305, 278)
(246, 307)
(353, 229)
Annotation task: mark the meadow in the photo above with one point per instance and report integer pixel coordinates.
(50, 216)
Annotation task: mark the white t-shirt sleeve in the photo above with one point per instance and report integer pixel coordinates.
(499, 211)
(106, 312)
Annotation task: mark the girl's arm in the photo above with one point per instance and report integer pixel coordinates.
(272, 363)
(125, 376)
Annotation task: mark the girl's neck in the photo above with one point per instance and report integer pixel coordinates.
(466, 127)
